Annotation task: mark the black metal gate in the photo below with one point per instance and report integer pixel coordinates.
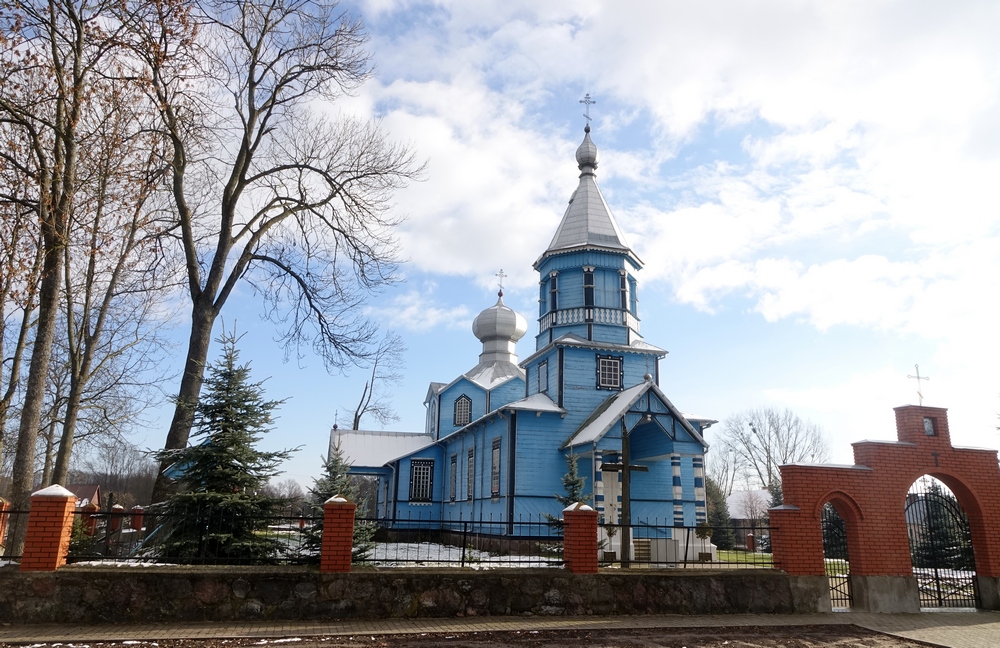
(940, 546)
(838, 567)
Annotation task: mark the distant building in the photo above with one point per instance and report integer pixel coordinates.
(496, 438)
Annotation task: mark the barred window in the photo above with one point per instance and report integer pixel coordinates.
(463, 410)
(421, 480)
(543, 376)
(609, 372)
(495, 469)
(453, 478)
(470, 471)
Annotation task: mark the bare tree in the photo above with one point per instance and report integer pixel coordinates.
(758, 441)
(114, 271)
(267, 188)
(724, 467)
(386, 369)
(20, 267)
(51, 54)
(752, 506)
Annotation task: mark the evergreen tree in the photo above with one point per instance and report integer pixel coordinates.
(573, 486)
(336, 480)
(943, 538)
(718, 516)
(219, 511)
(834, 533)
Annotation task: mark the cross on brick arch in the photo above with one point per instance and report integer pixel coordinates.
(871, 497)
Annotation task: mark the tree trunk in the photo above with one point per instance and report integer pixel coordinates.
(23, 472)
(61, 470)
(202, 322)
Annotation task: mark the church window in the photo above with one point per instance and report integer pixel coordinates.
(495, 469)
(463, 410)
(588, 287)
(609, 372)
(553, 291)
(470, 471)
(543, 376)
(433, 415)
(453, 478)
(421, 480)
(623, 290)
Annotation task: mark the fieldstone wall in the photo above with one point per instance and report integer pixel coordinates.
(141, 594)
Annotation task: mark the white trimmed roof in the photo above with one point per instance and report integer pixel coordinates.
(535, 403)
(616, 406)
(493, 373)
(372, 448)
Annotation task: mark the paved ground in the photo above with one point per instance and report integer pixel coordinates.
(953, 629)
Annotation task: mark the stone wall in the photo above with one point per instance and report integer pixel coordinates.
(141, 594)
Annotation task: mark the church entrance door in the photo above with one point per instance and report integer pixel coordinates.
(940, 546)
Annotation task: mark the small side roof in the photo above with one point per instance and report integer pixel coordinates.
(535, 403)
(376, 448)
(615, 407)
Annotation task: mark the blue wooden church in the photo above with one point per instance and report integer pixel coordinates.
(497, 438)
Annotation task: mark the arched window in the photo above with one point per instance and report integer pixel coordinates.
(463, 410)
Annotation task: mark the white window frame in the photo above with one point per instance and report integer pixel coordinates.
(495, 469)
(543, 376)
(470, 477)
(610, 371)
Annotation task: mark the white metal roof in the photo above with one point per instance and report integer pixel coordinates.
(535, 403)
(374, 448)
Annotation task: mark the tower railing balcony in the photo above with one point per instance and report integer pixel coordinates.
(588, 315)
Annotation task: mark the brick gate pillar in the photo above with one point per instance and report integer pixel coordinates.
(338, 535)
(580, 539)
(50, 524)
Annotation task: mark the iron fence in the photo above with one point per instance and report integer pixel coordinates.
(653, 545)
(196, 537)
(10, 522)
(416, 542)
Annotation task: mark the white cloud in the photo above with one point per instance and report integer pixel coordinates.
(416, 310)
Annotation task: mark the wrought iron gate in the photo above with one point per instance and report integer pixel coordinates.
(940, 546)
(838, 567)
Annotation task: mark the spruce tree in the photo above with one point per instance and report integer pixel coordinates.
(219, 511)
(336, 480)
(718, 516)
(573, 485)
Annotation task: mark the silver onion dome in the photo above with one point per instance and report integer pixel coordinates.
(499, 328)
(586, 154)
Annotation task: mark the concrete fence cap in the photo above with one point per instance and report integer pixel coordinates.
(54, 491)
(337, 499)
(578, 506)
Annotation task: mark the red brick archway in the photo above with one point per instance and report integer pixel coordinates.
(871, 495)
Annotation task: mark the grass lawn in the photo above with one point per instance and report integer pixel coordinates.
(745, 557)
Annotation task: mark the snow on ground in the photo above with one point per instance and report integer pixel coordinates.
(429, 554)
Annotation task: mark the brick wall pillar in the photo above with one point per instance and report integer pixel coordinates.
(580, 539)
(50, 524)
(135, 521)
(4, 520)
(338, 535)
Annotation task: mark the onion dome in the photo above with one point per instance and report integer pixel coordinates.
(499, 328)
(586, 154)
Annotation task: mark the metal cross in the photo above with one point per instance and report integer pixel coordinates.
(918, 378)
(589, 102)
(937, 458)
(502, 276)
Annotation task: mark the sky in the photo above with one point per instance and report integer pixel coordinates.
(811, 185)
